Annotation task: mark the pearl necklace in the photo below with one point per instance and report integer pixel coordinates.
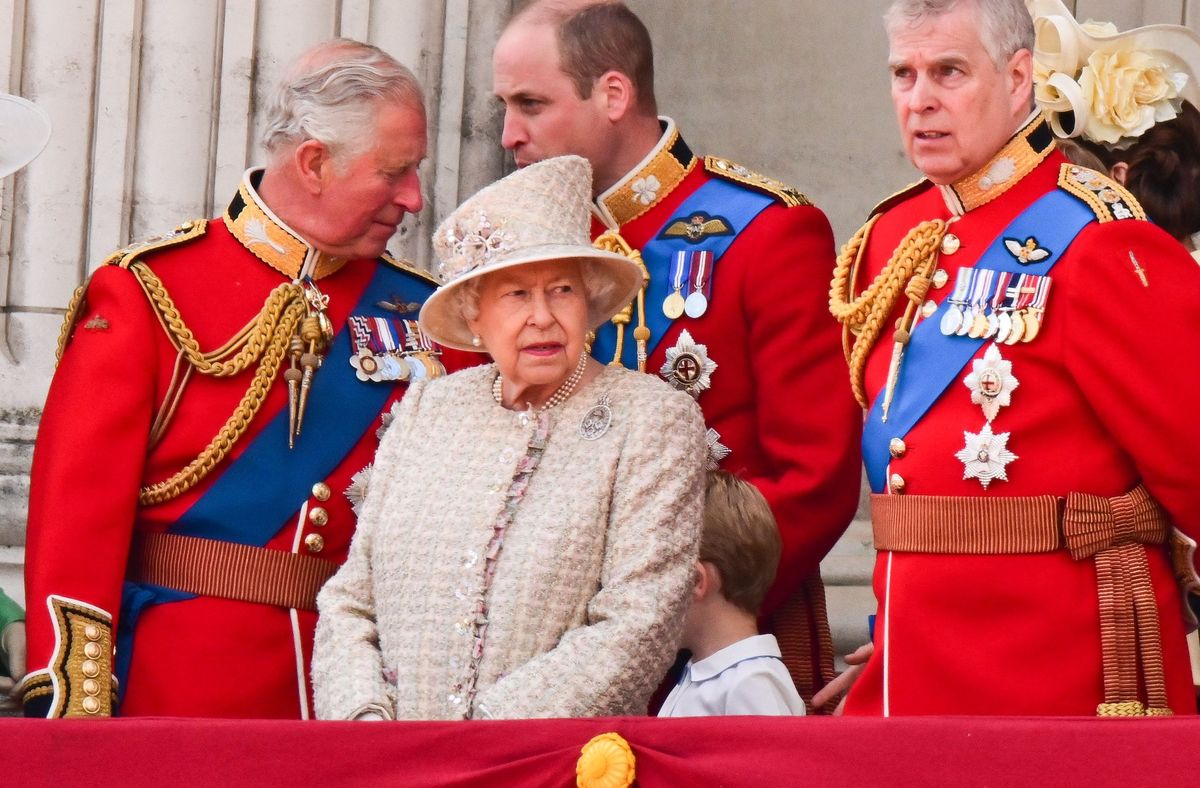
(564, 391)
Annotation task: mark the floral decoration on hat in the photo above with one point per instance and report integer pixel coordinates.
(472, 241)
(1107, 86)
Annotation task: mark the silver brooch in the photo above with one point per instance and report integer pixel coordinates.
(688, 366)
(717, 451)
(597, 420)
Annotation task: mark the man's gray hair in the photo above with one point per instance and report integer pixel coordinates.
(1005, 26)
(332, 93)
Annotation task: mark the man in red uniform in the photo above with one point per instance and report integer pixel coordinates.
(733, 310)
(1025, 344)
(217, 400)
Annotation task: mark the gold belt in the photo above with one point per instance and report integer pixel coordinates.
(209, 567)
(1112, 531)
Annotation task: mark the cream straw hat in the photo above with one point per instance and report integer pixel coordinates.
(539, 213)
(24, 132)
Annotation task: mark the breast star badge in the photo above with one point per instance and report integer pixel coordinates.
(985, 456)
(991, 382)
(688, 366)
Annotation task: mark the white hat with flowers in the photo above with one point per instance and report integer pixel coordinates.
(1094, 81)
(24, 132)
(539, 213)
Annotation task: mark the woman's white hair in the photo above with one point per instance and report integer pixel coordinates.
(1005, 26)
(332, 92)
(596, 286)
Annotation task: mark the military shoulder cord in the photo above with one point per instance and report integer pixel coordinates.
(611, 241)
(264, 339)
(908, 271)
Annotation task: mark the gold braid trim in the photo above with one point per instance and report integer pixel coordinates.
(907, 272)
(264, 339)
(257, 331)
(64, 333)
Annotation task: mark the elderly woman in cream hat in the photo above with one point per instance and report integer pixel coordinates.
(527, 540)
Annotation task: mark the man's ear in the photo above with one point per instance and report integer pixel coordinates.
(615, 90)
(1020, 81)
(313, 163)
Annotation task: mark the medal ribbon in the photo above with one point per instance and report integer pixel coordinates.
(1000, 297)
(1025, 291)
(734, 203)
(681, 271)
(933, 361)
(702, 264)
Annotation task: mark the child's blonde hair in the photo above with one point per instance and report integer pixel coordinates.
(741, 539)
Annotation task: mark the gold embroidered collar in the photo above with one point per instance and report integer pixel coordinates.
(269, 239)
(650, 182)
(1020, 155)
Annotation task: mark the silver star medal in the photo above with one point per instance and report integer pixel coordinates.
(991, 382)
(717, 451)
(357, 491)
(688, 366)
(597, 420)
(985, 456)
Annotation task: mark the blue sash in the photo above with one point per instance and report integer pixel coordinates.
(932, 360)
(736, 204)
(267, 483)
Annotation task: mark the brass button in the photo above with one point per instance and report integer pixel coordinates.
(90, 668)
(940, 278)
(314, 542)
(91, 687)
(897, 484)
(897, 449)
(951, 244)
(318, 516)
(91, 650)
(321, 491)
(91, 632)
(928, 308)
(91, 705)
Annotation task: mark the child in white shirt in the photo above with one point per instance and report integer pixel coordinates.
(733, 669)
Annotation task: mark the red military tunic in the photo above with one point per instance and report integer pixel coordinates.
(203, 656)
(1103, 401)
(777, 398)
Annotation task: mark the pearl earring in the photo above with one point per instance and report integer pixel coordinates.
(476, 341)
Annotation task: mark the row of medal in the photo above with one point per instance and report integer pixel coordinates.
(691, 284)
(997, 305)
(386, 349)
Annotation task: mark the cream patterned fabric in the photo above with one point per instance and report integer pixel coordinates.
(589, 591)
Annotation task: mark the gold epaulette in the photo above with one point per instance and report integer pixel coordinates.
(124, 258)
(408, 267)
(185, 232)
(893, 200)
(1109, 200)
(724, 168)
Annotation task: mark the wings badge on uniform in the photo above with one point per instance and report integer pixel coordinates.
(697, 227)
(1026, 253)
